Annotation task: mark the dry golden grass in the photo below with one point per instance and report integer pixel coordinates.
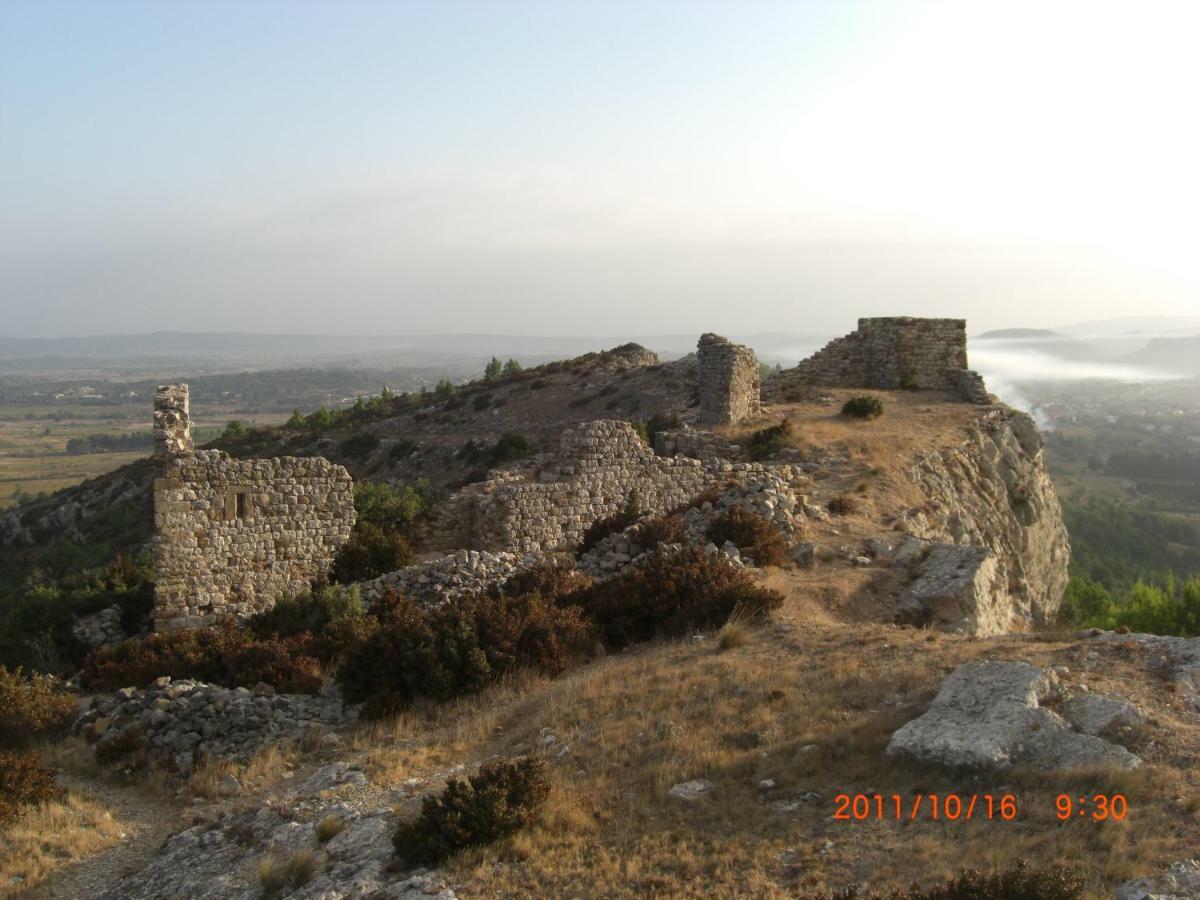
(212, 778)
(810, 706)
(50, 836)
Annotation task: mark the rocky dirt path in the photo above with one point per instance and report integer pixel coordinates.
(146, 820)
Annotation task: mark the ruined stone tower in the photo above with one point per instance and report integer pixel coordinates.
(232, 536)
(172, 422)
(729, 390)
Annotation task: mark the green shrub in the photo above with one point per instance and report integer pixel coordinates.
(390, 508)
(481, 402)
(24, 781)
(766, 442)
(36, 625)
(750, 533)
(669, 595)
(863, 407)
(370, 552)
(509, 448)
(501, 799)
(31, 706)
(445, 651)
(225, 655)
(329, 621)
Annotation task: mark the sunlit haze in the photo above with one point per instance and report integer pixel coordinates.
(593, 168)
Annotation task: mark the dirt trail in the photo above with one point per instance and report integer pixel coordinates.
(146, 820)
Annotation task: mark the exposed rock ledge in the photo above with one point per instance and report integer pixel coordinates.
(993, 491)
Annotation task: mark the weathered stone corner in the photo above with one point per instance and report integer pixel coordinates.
(729, 388)
(172, 421)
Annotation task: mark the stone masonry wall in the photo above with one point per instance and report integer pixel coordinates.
(548, 504)
(172, 421)
(235, 535)
(892, 353)
(729, 389)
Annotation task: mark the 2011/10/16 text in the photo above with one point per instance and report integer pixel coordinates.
(948, 807)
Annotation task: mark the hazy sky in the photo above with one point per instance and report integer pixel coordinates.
(607, 167)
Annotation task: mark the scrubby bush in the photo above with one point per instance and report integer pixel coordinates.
(668, 595)
(225, 655)
(370, 552)
(392, 508)
(1018, 882)
(501, 799)
(548, 579)
(843, 505)
(657, 530)
(359, 446)
(24, 781)
(766, 442)
(38, 618)
(31, 706)
(600, 529)
(445, 651)
(750, 533)
(329, 621)
(863, 406)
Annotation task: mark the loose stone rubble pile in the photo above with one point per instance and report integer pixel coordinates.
(447, 577)
(183, 721)
(100, 628)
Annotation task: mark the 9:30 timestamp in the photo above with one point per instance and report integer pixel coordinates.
(1098, 807)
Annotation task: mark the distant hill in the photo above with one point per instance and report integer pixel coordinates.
(1043, 341)
(1179, 355)
(1001, 334)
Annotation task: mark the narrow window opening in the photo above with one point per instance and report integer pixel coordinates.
(240, 504)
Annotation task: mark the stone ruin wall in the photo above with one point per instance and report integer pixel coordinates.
(172, 421)
(890, 354)
(548, 504)
(232, 536)
(729, 388)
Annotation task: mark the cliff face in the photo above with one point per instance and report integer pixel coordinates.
(993, 491)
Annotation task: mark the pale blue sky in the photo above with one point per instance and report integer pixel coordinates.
(571, 167)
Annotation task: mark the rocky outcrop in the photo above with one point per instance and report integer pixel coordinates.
(988, 715)
(1180, 881)
(344, 841)
(993, 491)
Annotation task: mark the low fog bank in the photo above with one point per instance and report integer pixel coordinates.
(1008, 372)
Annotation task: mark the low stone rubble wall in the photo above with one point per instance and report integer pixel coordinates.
(182, 721)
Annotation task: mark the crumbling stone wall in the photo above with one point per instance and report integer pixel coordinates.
(729, 389)
(232, 536)
(892, 353)
(549, 503)
(172, 421)
(235, 535)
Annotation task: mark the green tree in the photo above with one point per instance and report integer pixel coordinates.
(296, 421)
(235, 429)
(445, 389)
(493, 370)
(320, 421)
(512, 367)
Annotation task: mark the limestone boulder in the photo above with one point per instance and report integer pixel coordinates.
(989, 715)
